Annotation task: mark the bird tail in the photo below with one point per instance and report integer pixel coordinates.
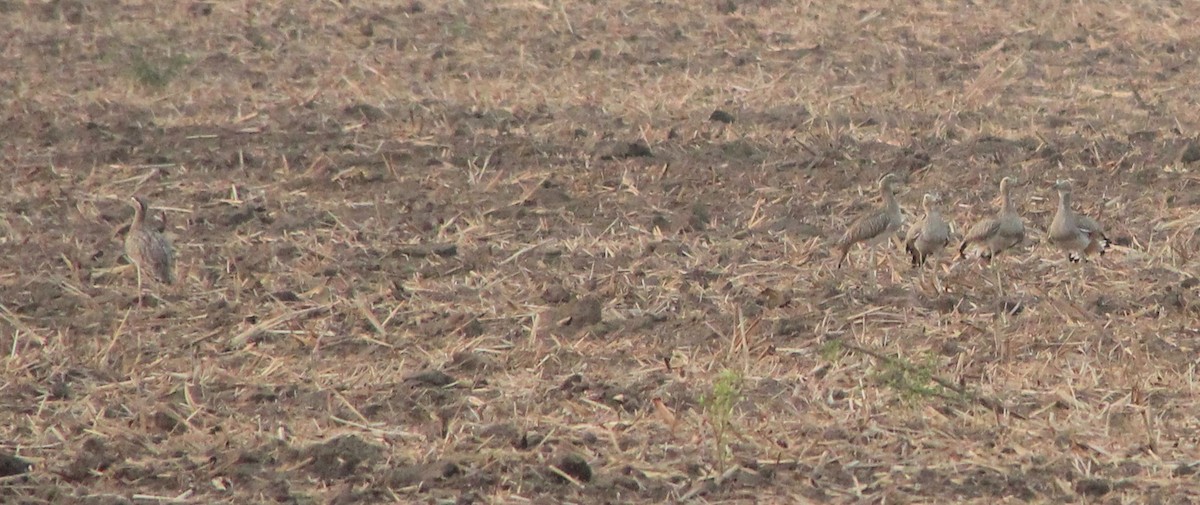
(962, 249)
(1104, 243)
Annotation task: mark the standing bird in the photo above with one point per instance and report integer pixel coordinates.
(876, 226)
(928, 235)
(998, 233)
(1075, 234)
(148, 250)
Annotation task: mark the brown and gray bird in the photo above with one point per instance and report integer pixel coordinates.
(1077, 235)
(998, 233)
(928, 235)
(148, 250)
(877, 225)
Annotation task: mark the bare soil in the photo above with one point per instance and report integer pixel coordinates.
(502, 252)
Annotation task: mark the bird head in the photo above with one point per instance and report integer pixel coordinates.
(889, 181)
(138, 203)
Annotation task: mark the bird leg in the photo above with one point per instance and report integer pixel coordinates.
(923, 280)
(886, 262)
(999, 281)
(138, 269)
(889, 258)
(874, 266)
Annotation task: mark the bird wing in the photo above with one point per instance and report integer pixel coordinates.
(982, 230)
(938, 234)
(865, 228)
(1013, 228)
(1097, 240)
(1088, 225)
(914, 231)
(162, 258)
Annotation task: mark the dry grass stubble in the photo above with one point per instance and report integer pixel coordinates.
(498, 254)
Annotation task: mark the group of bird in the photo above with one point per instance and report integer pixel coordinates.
(1077, 235)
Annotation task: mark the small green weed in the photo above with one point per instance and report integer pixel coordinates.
(718, 407)
(831, 350)
(156, 72)
(911, 380)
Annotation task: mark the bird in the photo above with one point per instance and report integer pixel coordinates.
(998, 233)
(876, 226)
(928, 235)
(1075, 234)
(149, 251)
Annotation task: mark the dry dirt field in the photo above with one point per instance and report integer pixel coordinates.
(548, 252)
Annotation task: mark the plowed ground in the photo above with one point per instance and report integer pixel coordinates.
(505, 252)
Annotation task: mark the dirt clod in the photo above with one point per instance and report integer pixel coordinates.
(575, 466)
(12, 465)
(637, 149)
(95, 455)
(792, 327)
(425, 250)
(365, 112)
(1010, 307)
(433, 377)
(556, 294)
(1186, 469)
(472, 361)
(341, 457)
(200, 8)
(721, 116)
(1093, 487)
(698, 218)
(1191, 153)
(772, 298)
(409, 475)
(583, 312)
